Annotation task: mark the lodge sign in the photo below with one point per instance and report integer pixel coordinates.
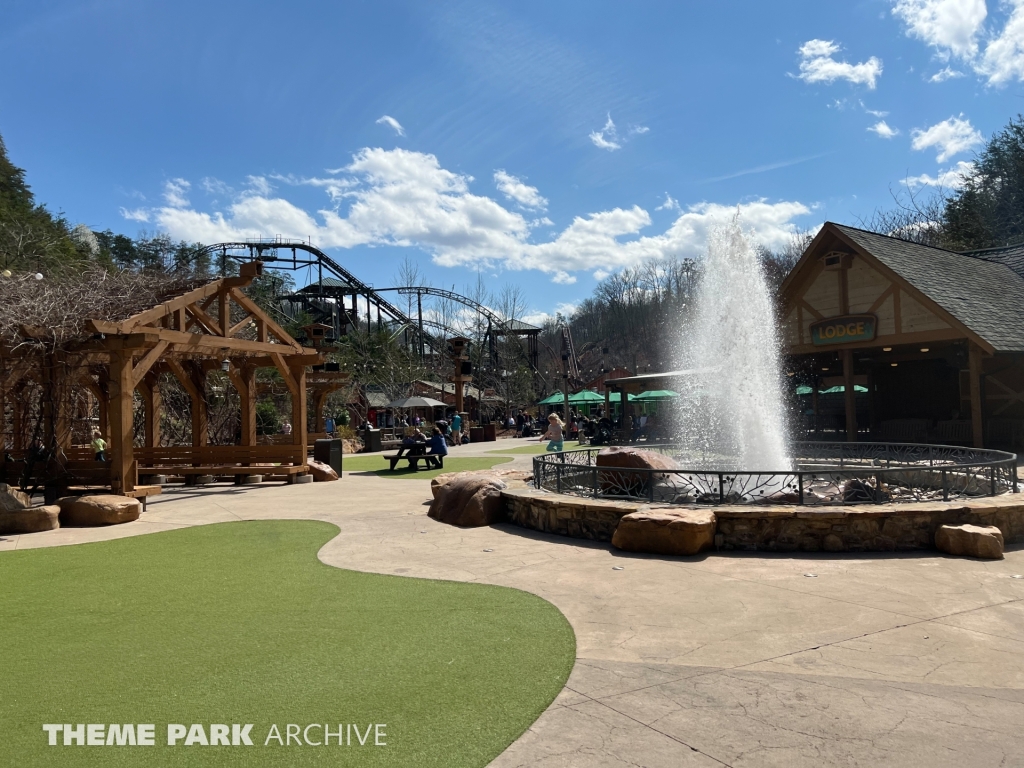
(843, 330)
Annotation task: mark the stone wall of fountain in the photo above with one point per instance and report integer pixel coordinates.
(733, 412)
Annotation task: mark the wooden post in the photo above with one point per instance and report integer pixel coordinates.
(247, 394)
(974, 365)
(150, 390)
(300, 429)
(319, 398)
(18, 419)
(851, 396)
(121, 435)
(200, 418)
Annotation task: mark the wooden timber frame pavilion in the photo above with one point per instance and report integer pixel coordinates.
(926, 344)
(211, 327)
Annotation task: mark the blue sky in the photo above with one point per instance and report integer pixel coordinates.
(543, 143)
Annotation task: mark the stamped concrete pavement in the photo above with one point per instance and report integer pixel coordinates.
(737, 660)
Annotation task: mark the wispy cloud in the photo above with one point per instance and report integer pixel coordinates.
(946, 178)
(514, 188)
(948, 73)
(817, 65)
(766, 167)
(609, 137)
(389, 121)
(175, 191)
(670, 204)
(882, 129)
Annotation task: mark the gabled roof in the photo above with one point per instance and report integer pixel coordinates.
(981, 292)
(1010, 255)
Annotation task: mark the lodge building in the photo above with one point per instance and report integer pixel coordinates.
(892, 340)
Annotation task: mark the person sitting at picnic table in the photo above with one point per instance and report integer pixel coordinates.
(438, 447)
(414, 437)
(554, 435)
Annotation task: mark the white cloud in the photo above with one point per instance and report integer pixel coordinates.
(948, 178)
(139, 214)
(175, 191)
(639, 130)
(403, 198)
(817, 65)
(950, 26)
(947, 73)
(1003, 60)
(515, 189)
(872, 112)
(957, 29)
(607, 137)
(540, 317)
(389, 121)
(670, 204)
(950, 137)
(883, 130)
(257, 185)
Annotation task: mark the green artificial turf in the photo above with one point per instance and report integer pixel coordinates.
(379, 465)
(537, 448)
(240, 623)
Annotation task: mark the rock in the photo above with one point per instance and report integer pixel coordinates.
(505, 475)
(783, 497)
(105, 509)
(833, 543)
(322, 473)
(470, 500)
(31, 520)
(630, 483)
(666, 531)
(12, 500)
(985, 541)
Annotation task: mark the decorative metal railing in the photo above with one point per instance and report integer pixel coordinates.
(823, 473)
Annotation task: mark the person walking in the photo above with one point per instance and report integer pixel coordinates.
(457, 428)
(555, 434)
(99, 446)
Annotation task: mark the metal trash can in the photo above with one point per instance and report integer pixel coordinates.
(371, 439)
(328, 451)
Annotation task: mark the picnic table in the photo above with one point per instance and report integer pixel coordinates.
(414, 454)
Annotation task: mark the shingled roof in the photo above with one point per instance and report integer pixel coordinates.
(984, 293)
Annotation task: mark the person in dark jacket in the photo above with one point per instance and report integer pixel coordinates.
(438, 448)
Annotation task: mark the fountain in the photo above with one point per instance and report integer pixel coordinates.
(734, 410)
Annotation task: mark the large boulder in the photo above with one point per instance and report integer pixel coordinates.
(666, 531)
(321, 472)
(625, 457)
(469, 500)
(31, 520)
(104, 509)
(12, 500)
(505, 475)
(985, 541)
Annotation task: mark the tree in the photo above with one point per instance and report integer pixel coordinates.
(988, 211)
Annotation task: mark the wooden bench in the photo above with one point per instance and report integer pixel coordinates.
(218, 460)
(414, 454)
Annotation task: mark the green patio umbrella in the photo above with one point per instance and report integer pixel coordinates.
(804, 390)
(656, 394)
(586, 396)
(616, 397)
(554, 399)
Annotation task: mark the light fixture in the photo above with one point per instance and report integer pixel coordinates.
(887, 349)
(924, 349)
(893, 364)
(225, 365)
(824, 368)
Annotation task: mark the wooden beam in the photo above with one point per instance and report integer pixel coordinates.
(974, 353)
(300, 427)
(248, 304)
(204, 320)
(149, 388)
(244, 380)
(200, 416)
(183, 378)
(224, 305)
(174, 305)
(142, 367)
(193, 342)
(239, 325)
(286, 373)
